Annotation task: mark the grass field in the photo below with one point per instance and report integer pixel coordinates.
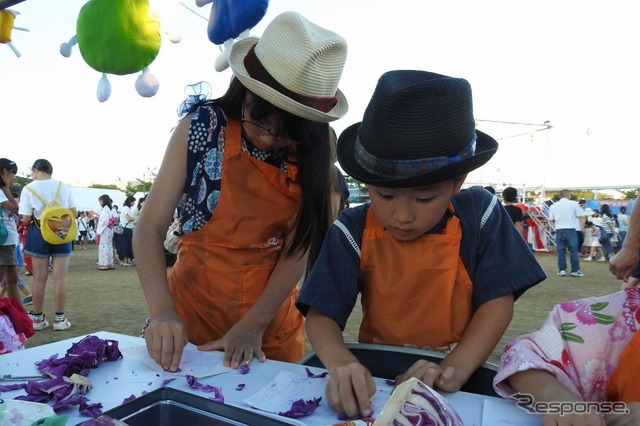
(113, 300)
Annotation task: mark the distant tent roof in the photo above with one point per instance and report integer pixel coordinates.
(87, 198)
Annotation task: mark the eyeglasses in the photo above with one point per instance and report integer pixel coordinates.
(263, 131)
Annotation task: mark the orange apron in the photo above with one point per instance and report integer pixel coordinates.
(624, 383)
(224, 267)
(414, 293)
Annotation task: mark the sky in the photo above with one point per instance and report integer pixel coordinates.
(572, 64)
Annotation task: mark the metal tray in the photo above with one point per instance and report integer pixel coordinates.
(167, 406)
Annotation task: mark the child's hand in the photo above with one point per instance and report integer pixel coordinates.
(432, 375)
(350, 389)
(633, 418)
(573, 419)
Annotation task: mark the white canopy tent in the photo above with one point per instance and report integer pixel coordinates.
(87, 198)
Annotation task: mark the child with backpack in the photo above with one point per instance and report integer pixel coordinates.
(31, 208)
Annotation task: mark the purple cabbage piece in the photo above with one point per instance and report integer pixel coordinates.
(102, 421)
(301, 408)
(12, 387)
(68, 383)
(165, 382)
(316, 376)
(425, 407)
(129, 398)
(244, 369)
(446, 414)
(193, 382)
(240, 386)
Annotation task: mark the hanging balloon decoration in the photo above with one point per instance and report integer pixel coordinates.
(230, 20)
(118, 37)
(7, 19)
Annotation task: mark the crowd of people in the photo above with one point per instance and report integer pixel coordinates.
(267, 250)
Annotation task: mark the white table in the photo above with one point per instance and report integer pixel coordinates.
(114, 381)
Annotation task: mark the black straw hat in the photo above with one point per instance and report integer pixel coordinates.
(417, 130)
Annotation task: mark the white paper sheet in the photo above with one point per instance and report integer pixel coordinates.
(286, 388)
(501, 412)
(193, 363)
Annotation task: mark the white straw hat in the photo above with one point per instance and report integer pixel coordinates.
(296, 66)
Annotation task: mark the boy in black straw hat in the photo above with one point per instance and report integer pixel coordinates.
(437, 266)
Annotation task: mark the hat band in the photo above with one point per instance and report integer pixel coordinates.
(258, 72)
(403, 169)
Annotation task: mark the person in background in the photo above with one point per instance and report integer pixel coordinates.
(252, 172)
(434, 264)
(626, 263)
(40, 251)
(608, 224)
(127, 220)
(623, 224)
(83, 230)
(341, 190)
(22, 286)
(509, 197)
(596, 219)
(23, 229)
(116, 237)
(588, 350)
(580, 228)
(587, 233)
(563, 214)
(491, 189)
(106, 221)
(8, 211)
(138, 211)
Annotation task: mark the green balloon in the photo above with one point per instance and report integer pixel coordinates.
(118, 36)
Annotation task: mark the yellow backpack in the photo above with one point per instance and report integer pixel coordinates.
(57, 224)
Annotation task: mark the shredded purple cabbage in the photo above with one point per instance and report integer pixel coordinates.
(244, 368)
(68, 383)
(193, 382)
(165, 382)
(102, 421)
(316, 376)
(301, 408)
(240, 386)
(129, 398)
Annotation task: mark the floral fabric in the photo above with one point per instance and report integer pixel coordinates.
(206, 142)
(10, 341)
(580, 344)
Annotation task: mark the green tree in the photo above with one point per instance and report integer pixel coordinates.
(138, 185)
(104, 186)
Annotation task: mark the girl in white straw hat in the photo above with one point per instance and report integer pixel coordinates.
(252, 173)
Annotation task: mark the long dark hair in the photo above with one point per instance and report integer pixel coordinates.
(106, 200)
(130, 201)
(6, 164)
(314, 158)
